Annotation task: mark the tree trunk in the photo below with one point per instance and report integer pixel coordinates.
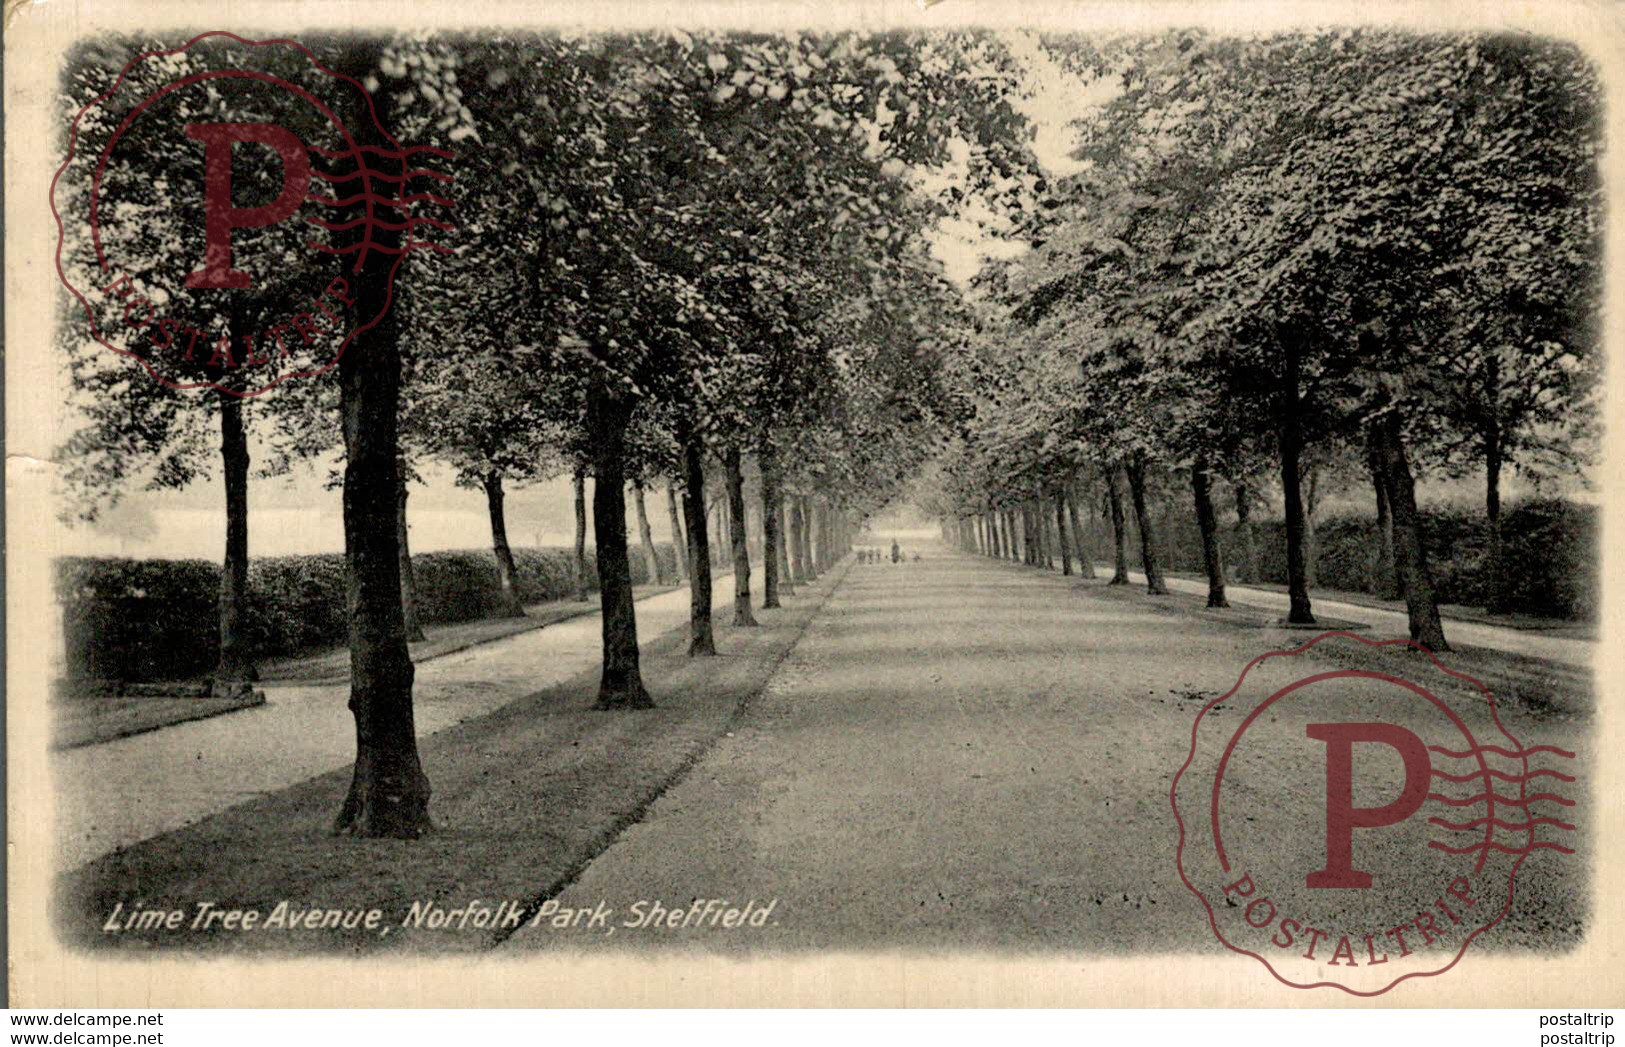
(701, 637)
(1080, 543)
(736, 534)
(1289, 430)
(1035, 527)
(721, 541)
(1091, 540)
(772, 538)
(1207, 522)
(236, 663)
(810, 562)
(1119, 527)
(1384, 569)
(1311, 541)
(651, 558)
(820, 535)
(510, 605)
(1410, 551)
(798, 542)
(786, 583)
(1061, 538)
(409, 582)
(1498, 597)
(1244, 524)
(580, 480)
(679, 541)
(389, 793)
(1148, 539)
(1046, 519)
(1171, 548)
(621, 685)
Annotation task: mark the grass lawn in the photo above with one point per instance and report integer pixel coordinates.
(86, 721)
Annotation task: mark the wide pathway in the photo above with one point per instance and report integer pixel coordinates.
(123, 791)
(959, 754)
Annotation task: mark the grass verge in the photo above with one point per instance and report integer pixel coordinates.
(1539, 687)
(88, 721)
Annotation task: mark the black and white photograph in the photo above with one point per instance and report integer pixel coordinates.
(857, 505)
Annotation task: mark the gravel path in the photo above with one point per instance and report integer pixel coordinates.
(966, 754)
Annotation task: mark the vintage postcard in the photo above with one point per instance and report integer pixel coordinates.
(868, 504)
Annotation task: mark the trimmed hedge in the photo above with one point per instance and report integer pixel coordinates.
(139, 620)
(1550, 549)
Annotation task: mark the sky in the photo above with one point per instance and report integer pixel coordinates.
(1051, 100)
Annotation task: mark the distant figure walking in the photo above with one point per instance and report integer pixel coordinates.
(896, 553)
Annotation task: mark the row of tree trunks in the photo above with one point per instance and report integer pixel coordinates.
(1031, 536)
